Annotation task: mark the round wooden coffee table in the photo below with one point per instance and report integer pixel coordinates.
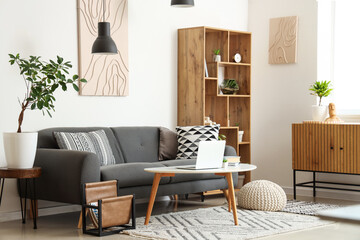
(171, 171)
(22, 174)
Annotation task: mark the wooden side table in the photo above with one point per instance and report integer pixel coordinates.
(22, 174)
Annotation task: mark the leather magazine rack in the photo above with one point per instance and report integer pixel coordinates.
(113, 213)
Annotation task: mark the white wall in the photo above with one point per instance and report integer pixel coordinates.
(48, 28)
(280, 93)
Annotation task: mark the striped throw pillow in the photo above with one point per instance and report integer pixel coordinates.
(95, 142)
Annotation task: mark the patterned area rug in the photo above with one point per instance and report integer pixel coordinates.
(307, 208)
(217, 223)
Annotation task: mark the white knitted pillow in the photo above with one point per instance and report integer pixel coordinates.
(262, 195)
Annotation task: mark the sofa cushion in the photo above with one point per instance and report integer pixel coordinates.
(168, 144)
(95, 142)
(138, 144)
(190, 136)
(46, 138)
(131, 174)
(187, 177)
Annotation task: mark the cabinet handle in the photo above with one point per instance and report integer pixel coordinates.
(341, 148)
(331, 148)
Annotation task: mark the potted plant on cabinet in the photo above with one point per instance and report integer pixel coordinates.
(217, 56)
(41, 79)
(320, 89)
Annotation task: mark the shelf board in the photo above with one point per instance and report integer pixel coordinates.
(244, 143)
(225, 128)
(231, 95)
(234, 64)
(210, 78)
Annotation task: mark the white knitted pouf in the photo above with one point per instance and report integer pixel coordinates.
(262, 195)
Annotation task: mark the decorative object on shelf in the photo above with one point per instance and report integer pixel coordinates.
(206, 69)
(320, 89)
(237, 58)
(221, 137)
(207, 121)
(221, 77)
(241, 134)
(229, 86)
(104, 44)
(332, 112)
(225, 163)
(283, 40)
(217, 56)
(107, 75)
(42, 79)
(262, 195)
(182, 3)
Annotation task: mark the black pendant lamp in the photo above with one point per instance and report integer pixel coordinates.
(104, 44)
(182, 3)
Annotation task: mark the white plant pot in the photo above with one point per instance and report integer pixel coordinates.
(225, 164)
(217, 58)
(319, 113)
(20, 149)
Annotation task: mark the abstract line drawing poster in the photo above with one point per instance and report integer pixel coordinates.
(283, 40)
(106, 75)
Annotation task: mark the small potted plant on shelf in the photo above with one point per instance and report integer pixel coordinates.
(229, 86)
(320, 89)
(41, 80)
(217, 56)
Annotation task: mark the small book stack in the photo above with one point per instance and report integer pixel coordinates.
(233, 161)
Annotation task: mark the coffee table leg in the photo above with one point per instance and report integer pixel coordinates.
(226, 194)
(154, 189)
(2, 181)
(232, 195)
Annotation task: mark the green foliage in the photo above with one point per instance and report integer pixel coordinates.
(230, 83)
(321, 89)
(42, 79)
(225, 160)
(216, 51)
(221, 137)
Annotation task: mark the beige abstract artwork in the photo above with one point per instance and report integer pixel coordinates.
(106, 75)
(283, 40)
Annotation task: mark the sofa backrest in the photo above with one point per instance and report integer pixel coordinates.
(46, 138)
(138, 144)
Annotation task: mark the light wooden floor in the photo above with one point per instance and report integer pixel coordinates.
(63, 226)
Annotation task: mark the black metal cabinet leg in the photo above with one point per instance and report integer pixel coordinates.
(202, 197)
(187, 196)
(294, 183)
(2, 181)
(314, 184)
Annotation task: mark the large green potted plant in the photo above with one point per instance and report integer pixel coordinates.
(41, 80)
(320, 89)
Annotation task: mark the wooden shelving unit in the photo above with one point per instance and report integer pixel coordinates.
(200, 96)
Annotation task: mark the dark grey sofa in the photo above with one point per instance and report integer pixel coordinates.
(134, 148)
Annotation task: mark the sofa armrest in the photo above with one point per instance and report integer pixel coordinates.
(63, 173)
(230, 151)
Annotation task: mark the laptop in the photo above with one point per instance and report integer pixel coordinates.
(210, 155)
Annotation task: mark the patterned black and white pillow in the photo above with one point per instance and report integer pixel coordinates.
(95, 142)
(190, 136)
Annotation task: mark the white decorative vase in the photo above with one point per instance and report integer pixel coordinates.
(217, 58)
(20, 149)
(319, 113)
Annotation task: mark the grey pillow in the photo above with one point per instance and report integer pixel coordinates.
(168, 144)
(95, 142)
(190, 136)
